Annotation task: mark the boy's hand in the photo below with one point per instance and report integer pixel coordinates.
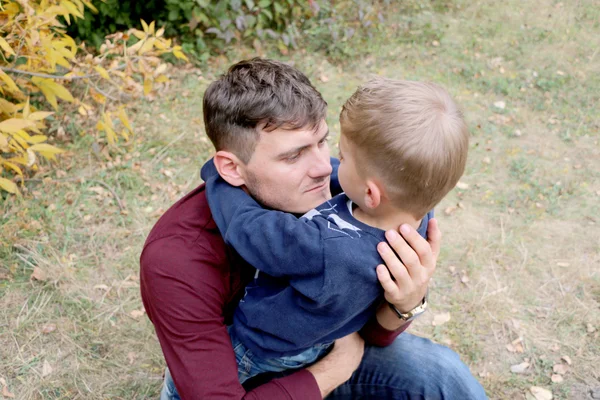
(412, 268)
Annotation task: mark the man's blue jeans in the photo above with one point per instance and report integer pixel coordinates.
(410, 368)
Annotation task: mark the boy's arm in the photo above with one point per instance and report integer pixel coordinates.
(274, 242)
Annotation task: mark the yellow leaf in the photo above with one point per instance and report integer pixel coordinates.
(161, 68)
(107, 120)
(160, 32)
(52, 90)
(144, 25)
(138, 34)
(7, 107)
(26, 109)
(46, 150)
(35, 139)
(18, 142)
(8, 186)
(6, 47)
(135, 47)
(39, 115)
(180, 55)
(3, 142)
(147, 46)
(124, 120)
(19, 160)
(13, 125)
(72, 8)
(12, 166)
(124, 134)
(79, 5)
(9, 82)
(110, 134)
(151, 28)
(90, 6)
(161, 79)
(98, 98)
(103, 73)
(147, 86)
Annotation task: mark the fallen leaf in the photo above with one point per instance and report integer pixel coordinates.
(519, 368)
(562, 264)
(557, 378)
(324, 78)
(590, 328)
(462, 185)
(135, 314)
(540, 393)
(452, 269)
(46, 369)
(47, 328)
(441, 319)
(131, 356)
(518, 132)
(487, 160)
(567, 359)
(450, 210)
(6, 393)
(435, 43)
(38, 274)
(101, 287)
(555, 347)
(560, 369)
(500, 104)
(516, 346)
(464, 279)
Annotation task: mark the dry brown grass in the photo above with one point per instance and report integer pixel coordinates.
(530, 247)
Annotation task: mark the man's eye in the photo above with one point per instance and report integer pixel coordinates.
(322, 142)
(293, 158)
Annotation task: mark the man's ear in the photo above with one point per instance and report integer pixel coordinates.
(373, 194)
(228, 166)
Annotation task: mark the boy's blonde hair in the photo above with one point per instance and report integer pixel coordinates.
(410, 135)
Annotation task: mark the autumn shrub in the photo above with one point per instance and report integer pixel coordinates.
(42, 67)
(203, 26)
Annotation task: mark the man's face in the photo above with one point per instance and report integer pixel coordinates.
(289, 170)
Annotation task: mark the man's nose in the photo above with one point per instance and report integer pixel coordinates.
(320, 165)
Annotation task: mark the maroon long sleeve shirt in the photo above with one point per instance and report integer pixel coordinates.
(190, 285)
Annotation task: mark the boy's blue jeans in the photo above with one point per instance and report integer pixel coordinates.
(410, 368)
(249, 365)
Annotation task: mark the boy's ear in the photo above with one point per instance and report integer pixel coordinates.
(373, 194)
(229, 166)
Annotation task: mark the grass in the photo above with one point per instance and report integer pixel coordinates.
(521, 255)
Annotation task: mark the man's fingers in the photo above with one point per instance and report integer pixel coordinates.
(407, 254)
(386, 281)
(393, 263)
(434, 237)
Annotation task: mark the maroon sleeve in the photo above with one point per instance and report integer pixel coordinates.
(375, 334)
(184, 293)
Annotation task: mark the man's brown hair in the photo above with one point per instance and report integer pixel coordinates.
(410, 135)
(258, 94)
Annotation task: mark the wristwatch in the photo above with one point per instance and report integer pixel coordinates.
(412, 314)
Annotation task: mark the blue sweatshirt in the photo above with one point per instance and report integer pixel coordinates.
(316, 280)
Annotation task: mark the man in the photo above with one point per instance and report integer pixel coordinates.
(267, 123)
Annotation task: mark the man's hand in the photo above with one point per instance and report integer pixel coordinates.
(339, 365)
(411, 269)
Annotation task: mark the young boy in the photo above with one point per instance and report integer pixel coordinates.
(403, 147)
